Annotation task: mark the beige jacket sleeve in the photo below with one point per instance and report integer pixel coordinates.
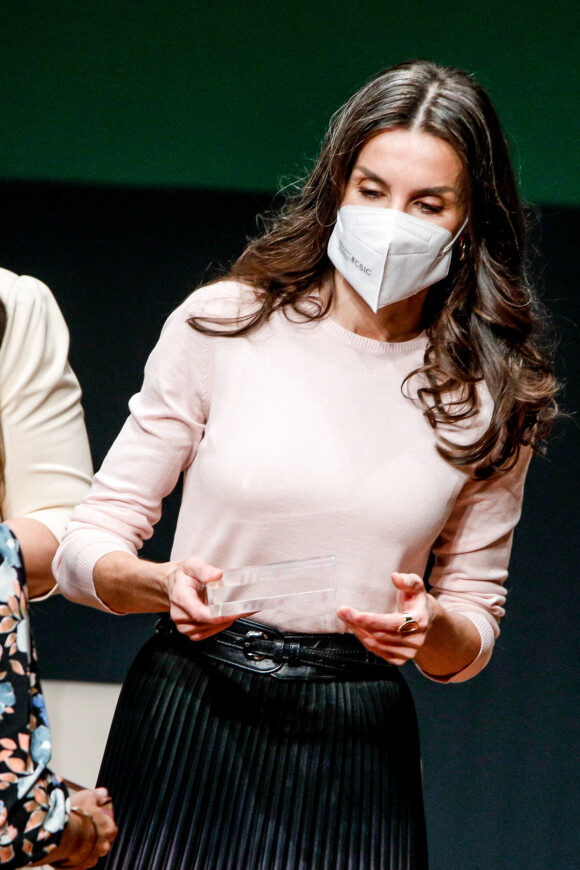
(47, 459)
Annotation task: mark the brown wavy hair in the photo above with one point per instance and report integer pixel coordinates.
(483, 322)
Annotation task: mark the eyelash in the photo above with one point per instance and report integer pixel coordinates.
(430, 209)
(369, 193)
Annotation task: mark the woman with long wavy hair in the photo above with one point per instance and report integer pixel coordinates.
(368, 383)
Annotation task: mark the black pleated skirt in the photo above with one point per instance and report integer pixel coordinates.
(216, 768)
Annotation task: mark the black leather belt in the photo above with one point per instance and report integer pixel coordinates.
(287, 655)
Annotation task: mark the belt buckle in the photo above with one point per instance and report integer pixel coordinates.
(250, 636)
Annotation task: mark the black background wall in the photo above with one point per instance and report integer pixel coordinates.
(501, 751)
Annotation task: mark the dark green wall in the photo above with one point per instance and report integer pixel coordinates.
(237, 94)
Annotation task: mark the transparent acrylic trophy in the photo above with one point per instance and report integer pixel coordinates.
(258, 587)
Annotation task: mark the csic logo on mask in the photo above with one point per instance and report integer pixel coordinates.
(357, 263)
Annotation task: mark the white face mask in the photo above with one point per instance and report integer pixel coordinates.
(387, 255)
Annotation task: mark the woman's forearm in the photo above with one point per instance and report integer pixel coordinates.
(38, 546)
(451, 644)
(130, 585)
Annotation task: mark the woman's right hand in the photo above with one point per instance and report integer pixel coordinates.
(187, 595)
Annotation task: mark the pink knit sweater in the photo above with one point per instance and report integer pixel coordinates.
(297, 441)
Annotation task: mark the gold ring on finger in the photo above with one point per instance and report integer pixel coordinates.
(408, 625)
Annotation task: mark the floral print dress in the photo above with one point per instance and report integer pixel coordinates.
(34, 805)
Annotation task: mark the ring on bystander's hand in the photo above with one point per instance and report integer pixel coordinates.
(408, 625)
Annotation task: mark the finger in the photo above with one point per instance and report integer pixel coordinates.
(409, 586)
(198, 634)
(196, 567)
(195, 631)
(348, 614)
(106, 806)
(188, 601)
(373, 622)
(111, 830)
(199, 631)
(384, 641)
(394, 656)
(192, 613)
(187, 604)
(217, 623)
(103, 849)
(404, 582)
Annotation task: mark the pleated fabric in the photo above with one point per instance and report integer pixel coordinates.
(215, 768)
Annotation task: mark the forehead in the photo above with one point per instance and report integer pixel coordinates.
(422, 158)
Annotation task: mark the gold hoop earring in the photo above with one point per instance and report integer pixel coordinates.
(462, 250)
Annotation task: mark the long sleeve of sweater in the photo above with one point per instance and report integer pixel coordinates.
(47, 459)
(296, 441)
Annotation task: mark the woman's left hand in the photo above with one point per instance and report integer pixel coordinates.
(378, 631)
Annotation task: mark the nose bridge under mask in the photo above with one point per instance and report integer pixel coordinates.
(395, 221)
(404, 233)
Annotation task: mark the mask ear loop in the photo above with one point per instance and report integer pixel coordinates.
(455, 237)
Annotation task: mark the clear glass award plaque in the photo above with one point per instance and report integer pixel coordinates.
(258, 587)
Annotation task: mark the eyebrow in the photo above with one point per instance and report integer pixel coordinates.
(427, 191)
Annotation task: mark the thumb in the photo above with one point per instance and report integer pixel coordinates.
(199, 569)
(209, 572)
(408, 586)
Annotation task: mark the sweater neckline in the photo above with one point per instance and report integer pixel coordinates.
(373, 345)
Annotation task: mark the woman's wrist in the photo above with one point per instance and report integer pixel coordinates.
(79, 839)
(127, 584)
(451, 644)
(38, 546)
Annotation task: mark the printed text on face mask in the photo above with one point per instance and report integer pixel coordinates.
(357, 263)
